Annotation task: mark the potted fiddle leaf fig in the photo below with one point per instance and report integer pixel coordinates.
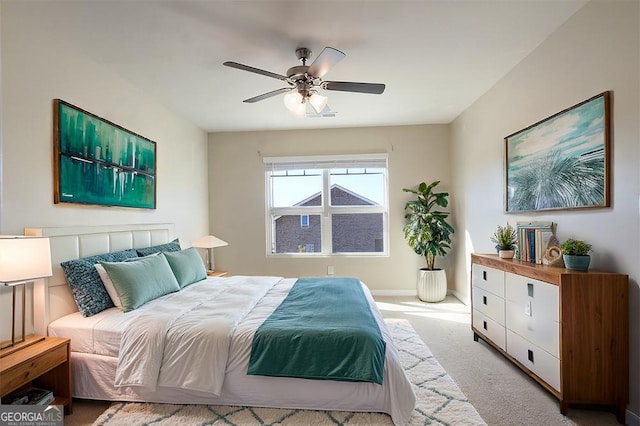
(575, 254)
(506, 239)
(429, 234)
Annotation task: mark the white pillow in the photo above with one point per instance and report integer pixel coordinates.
(108, 284)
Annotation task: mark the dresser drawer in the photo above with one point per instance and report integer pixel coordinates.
(489, 304)
(489, 279)
(536, 328)
(539, 361)
(489, 328)
(542, 297)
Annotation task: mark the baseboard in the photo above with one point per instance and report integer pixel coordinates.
(394, 292)
(632, 419)
(461, 297)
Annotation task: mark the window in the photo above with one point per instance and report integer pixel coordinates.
(327, 205)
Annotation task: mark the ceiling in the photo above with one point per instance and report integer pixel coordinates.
(435, 57)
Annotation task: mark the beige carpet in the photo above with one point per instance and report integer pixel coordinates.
(439, 400)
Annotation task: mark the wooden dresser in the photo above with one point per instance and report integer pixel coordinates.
(566, 329)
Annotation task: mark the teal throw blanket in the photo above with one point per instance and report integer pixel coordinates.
(324, 329)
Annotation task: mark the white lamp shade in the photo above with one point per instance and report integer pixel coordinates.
(24, 259)
(210, 241)
(294, 103)
(318, 102)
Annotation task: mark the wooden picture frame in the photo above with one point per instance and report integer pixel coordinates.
(98, 162)
(561, 162)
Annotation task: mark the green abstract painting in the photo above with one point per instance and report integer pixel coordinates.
(98, 162)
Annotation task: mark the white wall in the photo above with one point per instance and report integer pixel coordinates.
(596, 50)
(36, 68)
(237, 197)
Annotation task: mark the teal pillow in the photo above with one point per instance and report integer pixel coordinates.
(85, 283)
(172, 246)
(187, 266)
(140, 282)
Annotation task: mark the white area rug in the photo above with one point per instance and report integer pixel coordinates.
(439, 400)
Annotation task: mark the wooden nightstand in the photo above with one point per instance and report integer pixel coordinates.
(44, 364)
(217, 273)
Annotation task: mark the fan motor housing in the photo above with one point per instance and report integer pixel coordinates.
(298, 72)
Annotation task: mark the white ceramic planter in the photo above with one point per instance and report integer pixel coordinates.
(506, 254)
(432, 285)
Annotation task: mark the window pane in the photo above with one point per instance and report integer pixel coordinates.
(357, 233)
(296, 188)
(357, 187)
(291, 236)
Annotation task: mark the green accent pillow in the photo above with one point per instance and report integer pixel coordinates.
(187, 266)
(140, 282)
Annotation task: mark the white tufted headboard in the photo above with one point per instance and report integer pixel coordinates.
(52, 297)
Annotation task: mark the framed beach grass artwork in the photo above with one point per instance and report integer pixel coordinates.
(561, 162)
(98, 162)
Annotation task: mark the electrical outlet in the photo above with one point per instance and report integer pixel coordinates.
(329, 270)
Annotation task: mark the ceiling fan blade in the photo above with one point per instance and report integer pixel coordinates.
(267, 95)
(323, 63)
(254, 70)
(348, 86)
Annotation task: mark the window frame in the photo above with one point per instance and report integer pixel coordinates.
(325, 210)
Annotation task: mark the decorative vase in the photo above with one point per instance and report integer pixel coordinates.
(432, 285)
(576, 263)
(506, 254)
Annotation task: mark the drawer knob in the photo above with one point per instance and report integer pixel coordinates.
(530, 355)
(530, 289)
(484, 325)
(484, 275)
(484, 299)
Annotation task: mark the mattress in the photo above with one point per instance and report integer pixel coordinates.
(95, 350)
(101, 333)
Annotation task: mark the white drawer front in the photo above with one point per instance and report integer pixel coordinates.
(544, 297)
(491, 329)
(543, 364)
(487, 278)
(489, 304)
(536, 328)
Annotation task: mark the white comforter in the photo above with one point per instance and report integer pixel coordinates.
(185, 343)
(164, 356)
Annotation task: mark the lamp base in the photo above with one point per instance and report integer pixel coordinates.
(28, 341)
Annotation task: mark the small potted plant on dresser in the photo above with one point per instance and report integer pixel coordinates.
(429, 235)
(506, 239)
(575, 254)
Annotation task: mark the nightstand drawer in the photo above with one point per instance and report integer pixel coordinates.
(33, 368)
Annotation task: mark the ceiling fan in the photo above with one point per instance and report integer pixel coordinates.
(303, 81)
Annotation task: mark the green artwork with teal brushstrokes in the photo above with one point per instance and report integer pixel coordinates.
(560, 162)
(102, 163)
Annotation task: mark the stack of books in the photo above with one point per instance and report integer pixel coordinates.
(533, 240)
(31, 396)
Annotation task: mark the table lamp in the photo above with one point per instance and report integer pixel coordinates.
(22, 259)
(210, 242)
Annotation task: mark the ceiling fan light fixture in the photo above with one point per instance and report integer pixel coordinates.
(295, 103)
(318, 101)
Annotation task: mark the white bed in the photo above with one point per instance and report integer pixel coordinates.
(95, 341)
